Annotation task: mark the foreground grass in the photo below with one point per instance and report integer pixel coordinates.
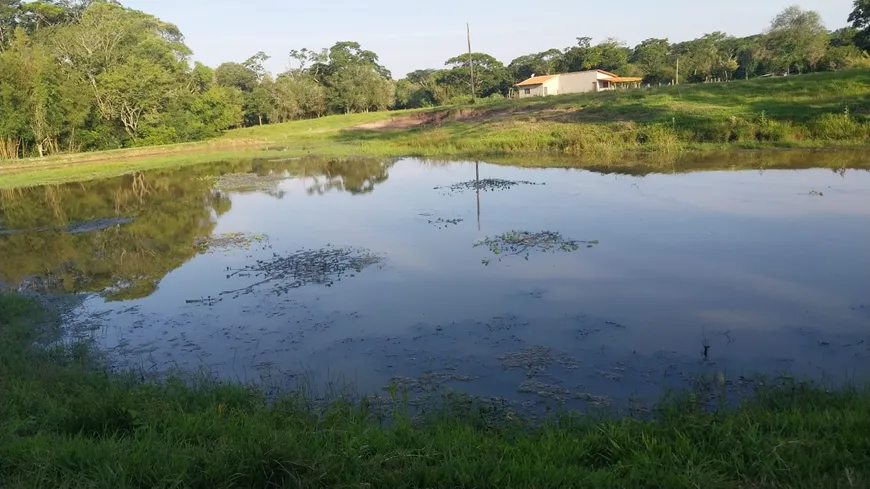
(66, 422)
(820, 110)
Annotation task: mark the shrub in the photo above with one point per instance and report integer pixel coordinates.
(661, 136)
(772, 130)
(838, 127)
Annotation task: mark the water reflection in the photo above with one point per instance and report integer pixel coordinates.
(734, 271)
(151, 222)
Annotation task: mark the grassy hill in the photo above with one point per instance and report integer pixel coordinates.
(821, 110)
(816, 110)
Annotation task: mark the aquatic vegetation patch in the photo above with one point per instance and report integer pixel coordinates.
(323, 266)
(442, 223)
(536, 359)
(428, 382)
(524, 243)
(486, 185)
(229, 241)
(560, 394)
(506, 323)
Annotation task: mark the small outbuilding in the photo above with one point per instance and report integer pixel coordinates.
(576, 82)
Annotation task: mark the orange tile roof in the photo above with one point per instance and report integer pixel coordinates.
(608, 73)
(624, 79)
(535, 80)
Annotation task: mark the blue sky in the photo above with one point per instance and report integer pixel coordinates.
(424, 35)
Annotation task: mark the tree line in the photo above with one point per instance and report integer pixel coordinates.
(79, 75)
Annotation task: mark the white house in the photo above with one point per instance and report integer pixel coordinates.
(577, 82)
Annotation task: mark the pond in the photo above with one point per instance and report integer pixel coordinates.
(522, 283)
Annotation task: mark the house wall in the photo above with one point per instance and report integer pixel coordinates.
(552, 86)
(584, 81)
(581, 82)
(534, 91)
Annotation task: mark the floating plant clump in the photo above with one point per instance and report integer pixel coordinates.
(536, 359)
(323, 266)
(442, 223)
(523, 243)
(486, 184)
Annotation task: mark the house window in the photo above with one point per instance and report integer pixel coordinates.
(528, 91)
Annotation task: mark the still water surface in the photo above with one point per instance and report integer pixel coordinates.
(768, 271)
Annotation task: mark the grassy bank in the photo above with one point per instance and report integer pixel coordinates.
(66, 422)
(822, 110)
(818, 110)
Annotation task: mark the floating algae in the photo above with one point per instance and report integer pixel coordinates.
(442, 223)
(523, 243)
(428, 382)
(486, 185)
(559, 393)
(536, 359)
(229, 241)
(324, 266)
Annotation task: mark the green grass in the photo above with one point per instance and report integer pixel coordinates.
(66, 422)
(821, 110)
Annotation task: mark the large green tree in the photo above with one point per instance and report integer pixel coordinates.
(528, 65)
(652, 56)
(713, 55)
(796, 40)
(418, 89)
(491, 77)
(609, 55)
(352, 77)
(81, 74)
(860, 19)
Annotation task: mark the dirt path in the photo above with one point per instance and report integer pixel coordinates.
(433, 119)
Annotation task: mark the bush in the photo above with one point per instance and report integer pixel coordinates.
(772, 130)
(662, 136)
(839, 127)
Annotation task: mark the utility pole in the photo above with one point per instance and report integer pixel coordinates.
(470, 60)
(677, 81)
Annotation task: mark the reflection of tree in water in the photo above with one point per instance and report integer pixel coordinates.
(355, 175)
(306, 267)
(172, 210)
(321, 175)
(123, 261)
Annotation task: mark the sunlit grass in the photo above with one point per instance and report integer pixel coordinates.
(67, 422)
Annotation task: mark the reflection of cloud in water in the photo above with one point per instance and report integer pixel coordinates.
(560, 268)
(771, 197)
(737, 319)
(802, 296)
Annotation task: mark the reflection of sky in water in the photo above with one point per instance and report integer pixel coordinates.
(773, 277)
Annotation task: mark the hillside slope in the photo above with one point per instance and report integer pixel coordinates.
(822, 110)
